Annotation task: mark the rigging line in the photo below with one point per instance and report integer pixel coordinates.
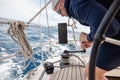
(74, 36)
(9, 56)
(41, 45)
(39, 12)
(74, 23)
(50, 47)
(7, 23)
(73, 30)
(41, 52)
(4, 23)
(31, 61)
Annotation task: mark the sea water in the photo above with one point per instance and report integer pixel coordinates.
(12, 68)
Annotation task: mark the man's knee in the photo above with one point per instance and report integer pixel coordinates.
(100, 73)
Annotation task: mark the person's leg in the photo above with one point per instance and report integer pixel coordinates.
(108, 59)
(99, 74)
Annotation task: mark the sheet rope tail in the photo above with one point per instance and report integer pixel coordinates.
(16, 31)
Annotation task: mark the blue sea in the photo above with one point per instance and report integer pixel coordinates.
(12, 68)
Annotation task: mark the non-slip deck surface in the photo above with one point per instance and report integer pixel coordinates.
(70, 73)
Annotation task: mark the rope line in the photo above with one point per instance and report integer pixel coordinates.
(50, 46)
(38, 12)
(73, 25)
(16, 31)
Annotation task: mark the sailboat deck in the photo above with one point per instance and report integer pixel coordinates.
(69, 73)
(72, 72)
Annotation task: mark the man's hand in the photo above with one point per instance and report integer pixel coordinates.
(84, 42)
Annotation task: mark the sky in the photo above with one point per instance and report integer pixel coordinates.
(25, 9)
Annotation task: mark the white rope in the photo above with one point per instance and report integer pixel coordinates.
(50, 47)
(73, 25)
(16, 31)
(3, 22)
(41, 52)
(39, 12)
(9, 56)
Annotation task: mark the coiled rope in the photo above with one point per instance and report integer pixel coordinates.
(16, 31)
